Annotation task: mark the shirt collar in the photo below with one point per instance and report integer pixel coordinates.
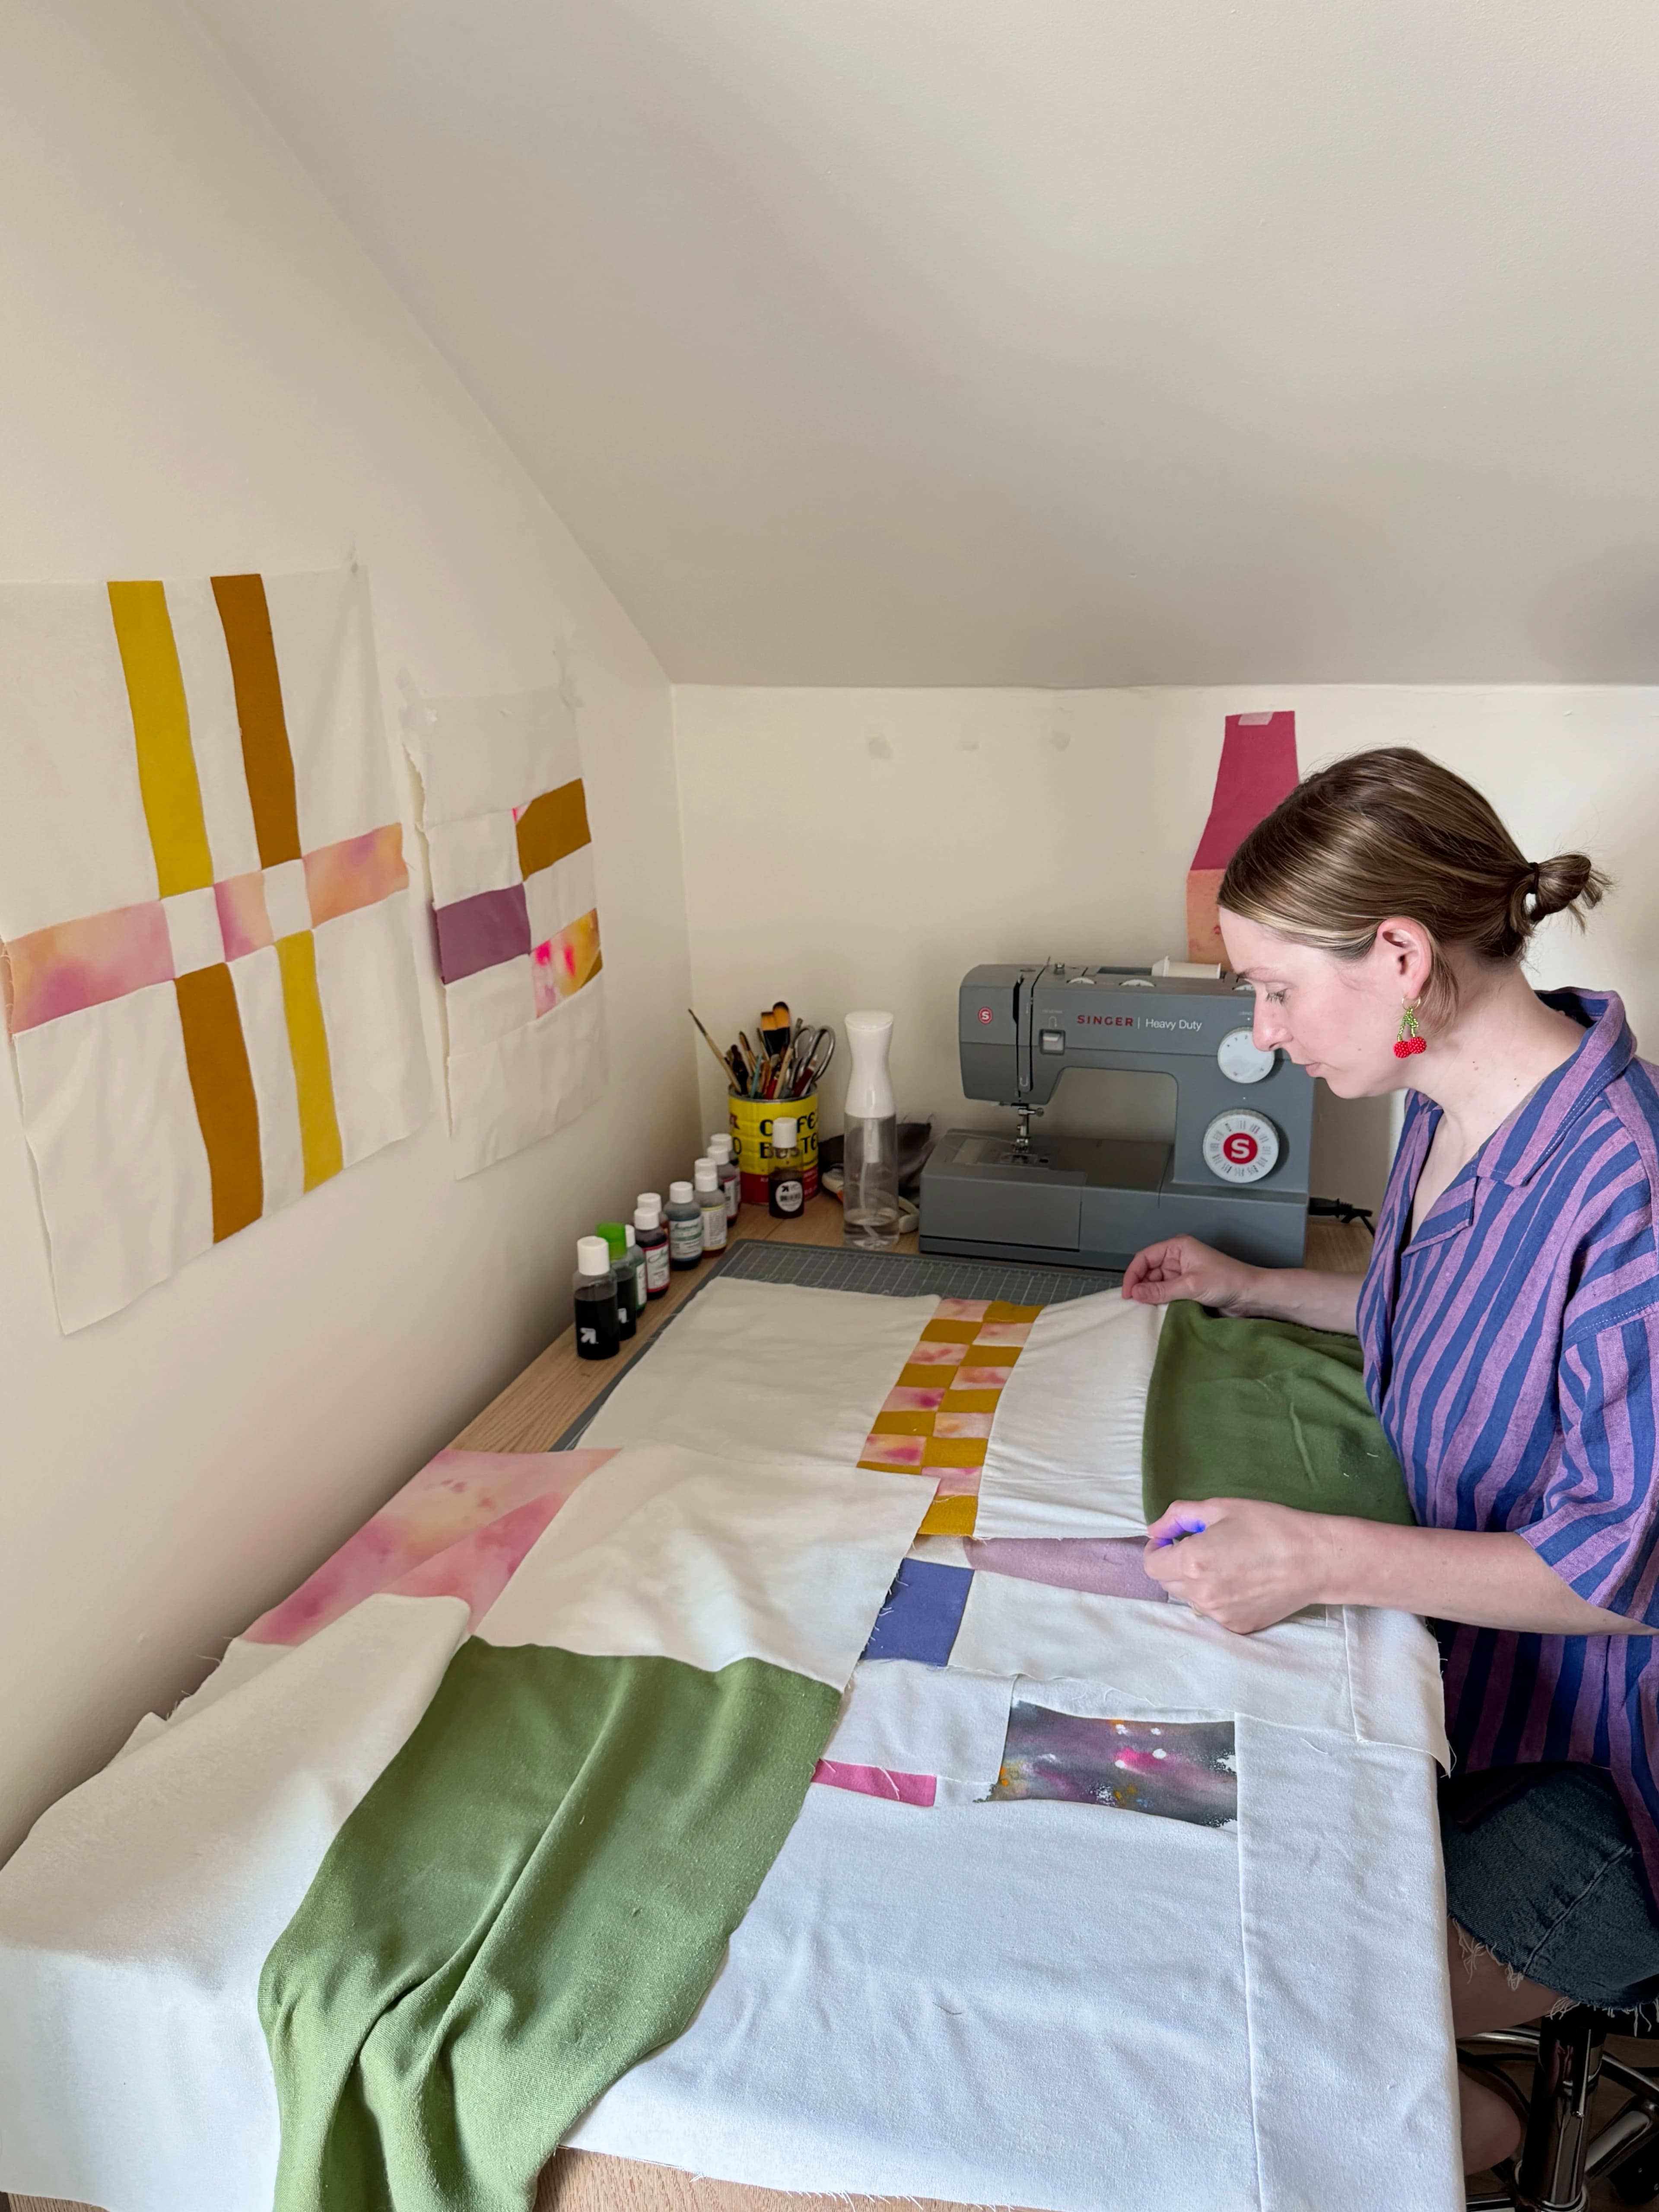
(1519, 1147)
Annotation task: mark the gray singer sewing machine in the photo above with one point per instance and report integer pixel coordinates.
(1236, 1174)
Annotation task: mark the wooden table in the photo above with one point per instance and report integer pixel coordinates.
(529, 1415)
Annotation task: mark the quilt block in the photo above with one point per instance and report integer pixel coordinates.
(210, 986)
(515, 915)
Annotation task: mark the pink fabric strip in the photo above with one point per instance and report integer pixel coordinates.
(57, 971)
(1110, 1566)
(877, 1782)
(357, 872)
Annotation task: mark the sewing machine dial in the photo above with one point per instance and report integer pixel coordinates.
(1241, 1147)
(1241, 1060)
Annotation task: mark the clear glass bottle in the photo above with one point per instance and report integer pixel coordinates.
(597, 1329)
(870, 1207)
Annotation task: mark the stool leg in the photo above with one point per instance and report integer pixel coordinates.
(1550, 2174)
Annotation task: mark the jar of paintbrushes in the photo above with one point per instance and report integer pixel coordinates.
(775, 1074)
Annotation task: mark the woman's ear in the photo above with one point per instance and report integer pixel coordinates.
(1409, 951)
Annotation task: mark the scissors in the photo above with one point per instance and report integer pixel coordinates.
(811, 1059)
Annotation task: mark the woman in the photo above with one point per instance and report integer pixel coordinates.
(1511, 1322)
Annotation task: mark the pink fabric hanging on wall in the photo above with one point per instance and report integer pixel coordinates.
(1258, 769)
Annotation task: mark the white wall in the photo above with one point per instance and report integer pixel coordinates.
(882, 843)
(200, 371)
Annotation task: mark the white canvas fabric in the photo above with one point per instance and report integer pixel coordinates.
(1082, 2009)
(747, 1369)
(1381, 1683)
(912, 1719)
(526, 1083)
(480, 756)
(1353, 2072)
(673, 1553)
(1064, 1458)
(136, 1918)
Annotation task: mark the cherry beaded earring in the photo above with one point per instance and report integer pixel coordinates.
(1411, 1038)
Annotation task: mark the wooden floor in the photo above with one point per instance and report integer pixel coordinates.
(528, 1415)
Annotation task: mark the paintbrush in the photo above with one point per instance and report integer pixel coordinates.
(714, 1048)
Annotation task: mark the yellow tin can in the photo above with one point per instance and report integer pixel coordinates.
(751, 1141)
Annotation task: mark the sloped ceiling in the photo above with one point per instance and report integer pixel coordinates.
(1065, 342)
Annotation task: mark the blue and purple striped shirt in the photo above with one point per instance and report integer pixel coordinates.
(1511, 1346)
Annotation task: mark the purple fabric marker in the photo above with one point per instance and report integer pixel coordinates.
(1183, 1528)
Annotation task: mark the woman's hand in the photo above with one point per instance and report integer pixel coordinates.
(1245, 1564)
(1184, 1268)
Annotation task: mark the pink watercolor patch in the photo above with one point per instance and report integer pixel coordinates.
(481, 1507)
(74, 964)
(963, 1308)
(877, 1782)
(357, 872)
(904, 1453)
(980, 1378)
(907, 1400)
(1004, 1331)
(560, 965)
(244, 920)
(962, 1424)
(956, 1481)
(938, 1355)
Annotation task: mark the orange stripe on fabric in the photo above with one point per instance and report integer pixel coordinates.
(307, 1045)
(267, 757)
(357, 872)
(221, 1084)
(552, 827)
(1000, 1310)
(160, 729)
(950, 1332)
(970, 1401)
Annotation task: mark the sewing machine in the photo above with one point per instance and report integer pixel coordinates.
(1235, 1175)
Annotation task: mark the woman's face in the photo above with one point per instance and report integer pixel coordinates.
(1338, 1018)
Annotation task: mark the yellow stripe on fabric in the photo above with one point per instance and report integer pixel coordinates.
(949, 1516)
(160, 729)
(307, 1044)
(221, 1084)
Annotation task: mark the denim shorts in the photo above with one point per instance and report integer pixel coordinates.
(1543, 1866)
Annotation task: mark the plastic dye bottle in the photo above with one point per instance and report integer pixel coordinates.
(635, 1259)
(597, 1331)
(785, 1193)
(684, 1219)
(653, 1243)
(621, 1270)
(711, 1205)
(726, 1167)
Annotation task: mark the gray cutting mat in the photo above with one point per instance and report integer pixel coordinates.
(886, 1274)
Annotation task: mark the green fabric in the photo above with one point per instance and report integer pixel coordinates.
(1264, 1409)
(536, 1893)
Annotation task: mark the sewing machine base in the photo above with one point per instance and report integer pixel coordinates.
(1090, 1202)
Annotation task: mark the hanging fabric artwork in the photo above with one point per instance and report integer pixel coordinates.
(1258, 769)
(209, 985)
(505, 817)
